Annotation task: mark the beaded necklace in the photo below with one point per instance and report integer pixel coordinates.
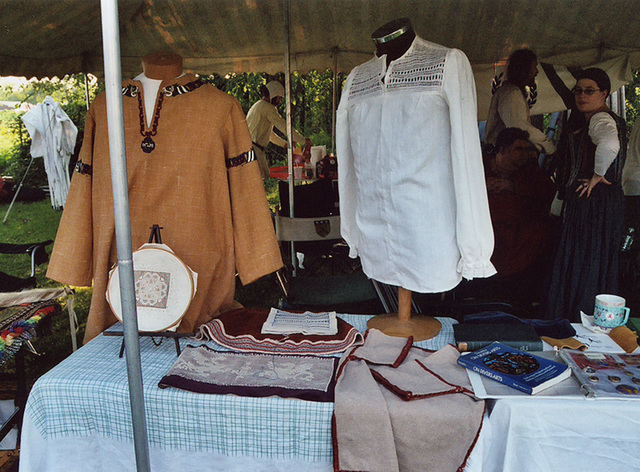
(148, 144)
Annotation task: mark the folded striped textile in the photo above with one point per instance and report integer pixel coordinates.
(203, 370)
(18, 324)
(239, 330)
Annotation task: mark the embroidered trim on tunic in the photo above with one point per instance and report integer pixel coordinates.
(130, 91)
(176, 89)
(243, 158)
(420, 68)
(172, 90)
(84, 169)
(367, 80)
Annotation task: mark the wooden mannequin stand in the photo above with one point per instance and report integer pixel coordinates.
(404, 324)
(393, 39)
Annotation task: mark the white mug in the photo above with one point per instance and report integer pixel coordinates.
(610, 311)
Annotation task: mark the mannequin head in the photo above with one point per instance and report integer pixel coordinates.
(162, 65)
(393, 38)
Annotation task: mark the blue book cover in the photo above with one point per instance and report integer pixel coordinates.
(518, 369)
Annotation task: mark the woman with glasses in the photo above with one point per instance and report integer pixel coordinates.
(591, 151)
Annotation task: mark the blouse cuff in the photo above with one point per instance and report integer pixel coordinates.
(471, 270)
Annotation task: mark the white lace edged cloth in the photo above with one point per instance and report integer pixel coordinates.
(399, 407)
(204, 370)
(240, 330)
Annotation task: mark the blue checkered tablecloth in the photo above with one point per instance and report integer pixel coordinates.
(87, 394)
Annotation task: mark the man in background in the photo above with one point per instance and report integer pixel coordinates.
(520, 195)
(262, 118)
(509, 107)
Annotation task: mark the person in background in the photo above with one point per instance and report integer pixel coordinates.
(591, 156)
(3, 192)
(509, 107)
(520, 195)
(262, 118)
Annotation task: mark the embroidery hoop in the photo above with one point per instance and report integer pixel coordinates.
(165, 287)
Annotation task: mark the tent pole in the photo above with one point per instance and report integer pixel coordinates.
(115, 120)
(86, 89)
(15, 195)
(335, 100)
(287, 87)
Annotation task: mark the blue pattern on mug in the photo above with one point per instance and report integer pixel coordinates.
(610, 312)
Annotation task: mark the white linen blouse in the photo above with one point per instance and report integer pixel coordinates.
(413, 199)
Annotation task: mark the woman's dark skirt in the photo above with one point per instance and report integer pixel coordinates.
(586, 262)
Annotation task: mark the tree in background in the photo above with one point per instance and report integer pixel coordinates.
(311, 98)
(632, 95)
(311, 109)
(69, 92)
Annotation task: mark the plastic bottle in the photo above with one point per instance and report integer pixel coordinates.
(627, 241)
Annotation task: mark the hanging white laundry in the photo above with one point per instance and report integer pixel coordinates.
(53, 137)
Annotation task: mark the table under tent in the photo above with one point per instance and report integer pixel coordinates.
(49, 39)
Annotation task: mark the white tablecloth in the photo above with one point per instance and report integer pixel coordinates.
(568, 433)
(78, 418)
(539, 435)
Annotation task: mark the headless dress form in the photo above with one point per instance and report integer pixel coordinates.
(393, 40)
(157, 67)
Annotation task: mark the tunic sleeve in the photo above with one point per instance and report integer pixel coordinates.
(72, 256)
(473, 221)
(514, 113)
(255, 245)
(604, 134)
(347, 180)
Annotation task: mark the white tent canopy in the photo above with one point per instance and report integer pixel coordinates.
(47, 38)
(44, 38)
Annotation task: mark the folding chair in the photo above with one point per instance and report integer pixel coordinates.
(349, 292)
(38, 255)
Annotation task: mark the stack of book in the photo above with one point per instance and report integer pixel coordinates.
(474, 336)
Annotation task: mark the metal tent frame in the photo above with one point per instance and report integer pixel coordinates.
(118, 158)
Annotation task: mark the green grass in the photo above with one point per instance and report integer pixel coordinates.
(36, 222)
(27, 223)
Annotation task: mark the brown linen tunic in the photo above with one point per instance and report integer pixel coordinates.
(197, 185)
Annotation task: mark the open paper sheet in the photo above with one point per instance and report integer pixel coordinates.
(284, 322)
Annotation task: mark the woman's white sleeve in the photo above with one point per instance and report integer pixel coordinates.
(514, 113)
(604, 134)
